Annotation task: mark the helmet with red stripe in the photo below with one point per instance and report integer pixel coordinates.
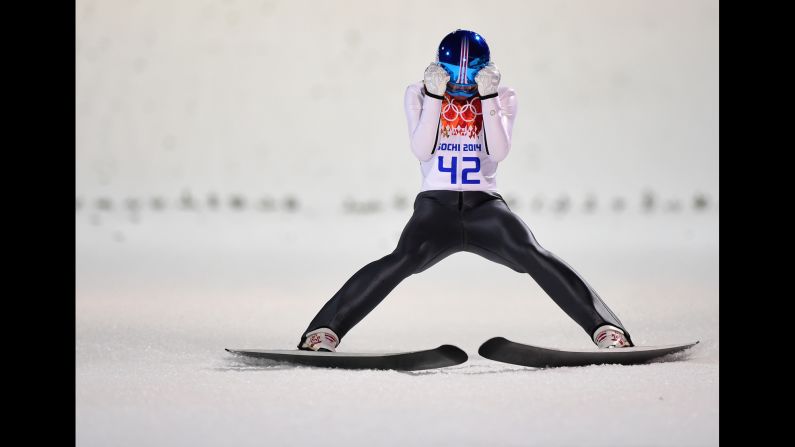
(463, 53)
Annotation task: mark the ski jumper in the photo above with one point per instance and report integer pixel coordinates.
(459, 142)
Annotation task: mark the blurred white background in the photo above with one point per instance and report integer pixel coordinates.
(305, 98)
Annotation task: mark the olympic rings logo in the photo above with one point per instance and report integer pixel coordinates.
(467, 111)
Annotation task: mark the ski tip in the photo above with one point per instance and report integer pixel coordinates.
(490, 344)
(685, 346)
(454, 352)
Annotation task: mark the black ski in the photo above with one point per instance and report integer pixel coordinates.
(445, 355)
(502, 350)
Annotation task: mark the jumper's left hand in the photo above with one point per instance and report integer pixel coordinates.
(488, 79)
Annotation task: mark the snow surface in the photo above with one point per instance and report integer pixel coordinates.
(159, 298)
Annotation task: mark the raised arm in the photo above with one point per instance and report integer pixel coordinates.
(423, 104)
(499, 112)
(422, 114)
(498, 105)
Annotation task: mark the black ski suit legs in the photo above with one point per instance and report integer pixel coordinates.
(445, 222)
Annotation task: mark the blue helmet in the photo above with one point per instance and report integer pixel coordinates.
(463, 53)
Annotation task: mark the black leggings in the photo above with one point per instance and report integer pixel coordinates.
(446, 222)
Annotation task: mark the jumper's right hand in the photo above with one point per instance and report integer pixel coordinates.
(436, 78)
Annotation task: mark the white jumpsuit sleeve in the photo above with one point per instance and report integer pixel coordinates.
(498, 116)
(422, 114)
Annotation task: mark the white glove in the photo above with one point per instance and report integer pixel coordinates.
(488, 79)
(436, 78)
